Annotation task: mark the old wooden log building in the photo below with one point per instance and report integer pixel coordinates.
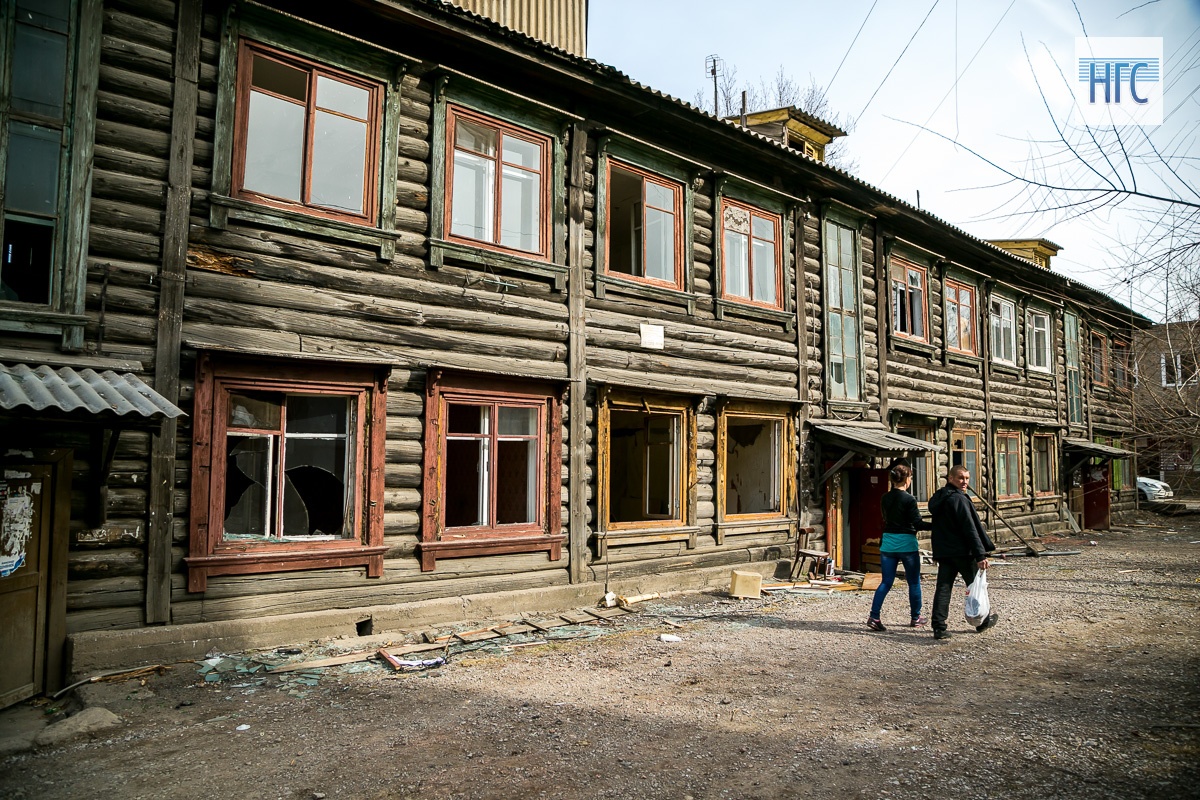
(328, 317)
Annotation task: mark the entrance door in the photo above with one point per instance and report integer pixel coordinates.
(867, 488)
(1096, 497)
(26, 492)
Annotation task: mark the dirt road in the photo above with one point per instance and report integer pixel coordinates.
(1088, 688)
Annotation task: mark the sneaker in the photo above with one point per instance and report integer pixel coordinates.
(992, 619)
(875, 624)
(943, 635)
(919, 621)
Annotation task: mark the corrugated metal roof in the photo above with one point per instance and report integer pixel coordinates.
(43, 388)
(874, 440)
(1103, 450)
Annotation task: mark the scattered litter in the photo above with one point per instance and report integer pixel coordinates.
(1093, 543)
(627, 601)
(609, 600)
(669, 637)
(242, 727)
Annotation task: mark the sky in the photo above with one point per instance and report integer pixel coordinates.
(891, 66)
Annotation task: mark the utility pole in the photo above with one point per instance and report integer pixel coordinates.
(712, 67)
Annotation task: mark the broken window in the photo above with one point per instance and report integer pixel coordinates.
(282, 462)
(644, 212)
(307, 136)
(286, 472)
(1099, 348)
(645, 457)
(497, 189)
(752, 461)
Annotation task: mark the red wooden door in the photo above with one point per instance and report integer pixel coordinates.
(867, 488)
(1096, 497)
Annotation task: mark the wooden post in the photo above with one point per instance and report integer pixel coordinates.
(170, 308)
(577, 529)
(883, 304)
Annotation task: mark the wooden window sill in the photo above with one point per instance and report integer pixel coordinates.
(901, 342)
(966, 359)
(631, 287)
(430, 552)
(225, 208)
(748, 310)
(737, 527)
(267, 558)
(646, 535)
(443, 252)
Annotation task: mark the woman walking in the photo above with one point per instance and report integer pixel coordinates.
(901, 521)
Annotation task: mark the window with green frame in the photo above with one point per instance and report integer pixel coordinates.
(843, 306)
(45, 154)
(1074, 374)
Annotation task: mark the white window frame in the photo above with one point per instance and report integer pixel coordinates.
(1003, 341)
(1038, 352)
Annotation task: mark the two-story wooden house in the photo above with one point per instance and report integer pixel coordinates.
(395, 315)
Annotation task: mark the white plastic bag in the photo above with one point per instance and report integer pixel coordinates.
(977, 606)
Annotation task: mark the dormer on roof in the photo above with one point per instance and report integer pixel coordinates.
(795, 128)
(1039, 251)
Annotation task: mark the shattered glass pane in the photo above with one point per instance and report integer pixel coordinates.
(247, 485)
(261, 410)
(314, 487)
(317, 414)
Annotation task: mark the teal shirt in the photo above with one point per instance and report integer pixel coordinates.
(899, 543)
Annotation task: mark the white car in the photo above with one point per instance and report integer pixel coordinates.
(1150, 490)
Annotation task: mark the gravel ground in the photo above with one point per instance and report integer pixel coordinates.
(1086, 689)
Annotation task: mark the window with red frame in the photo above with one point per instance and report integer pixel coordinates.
(750, 253)
(287, 464)
(644, 212)
(908, 300)
(960, 317)
(307, 136)
(1008, 464)
(497, 184)
(493, 468)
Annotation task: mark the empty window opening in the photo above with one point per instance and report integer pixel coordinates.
(644, 466)
(752, 459)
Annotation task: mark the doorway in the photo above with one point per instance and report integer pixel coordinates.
(1096, 499)
(35, 510)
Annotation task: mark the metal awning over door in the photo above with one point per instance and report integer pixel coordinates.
(1084, 447)
(108, 396)
(870, 441)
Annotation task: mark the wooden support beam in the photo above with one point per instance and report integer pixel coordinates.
(577, 531)
(170, 306)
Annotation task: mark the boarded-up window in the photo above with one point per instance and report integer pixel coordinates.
(497, 184)
(644, 213)
(307, 136)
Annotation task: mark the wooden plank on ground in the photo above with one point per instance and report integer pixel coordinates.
(546, 623)
(333, 661)
(872, 580)
(476, 636)
(509, 630)
(607, 613)
(577, 616)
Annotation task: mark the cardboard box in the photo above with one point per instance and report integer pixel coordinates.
(743, 583)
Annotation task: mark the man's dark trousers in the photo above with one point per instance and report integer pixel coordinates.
(948, 570)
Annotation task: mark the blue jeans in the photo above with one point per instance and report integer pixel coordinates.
(912, 574)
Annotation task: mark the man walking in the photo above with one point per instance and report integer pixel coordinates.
(960, 545)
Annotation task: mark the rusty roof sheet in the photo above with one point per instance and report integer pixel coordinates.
(1093, 448)
(872, 440)
(46, 389)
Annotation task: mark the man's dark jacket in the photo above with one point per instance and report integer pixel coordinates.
(957, 531)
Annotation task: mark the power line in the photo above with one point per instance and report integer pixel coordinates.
(851, 47)
(897, 61)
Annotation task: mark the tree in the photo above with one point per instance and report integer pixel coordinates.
(780, 91)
